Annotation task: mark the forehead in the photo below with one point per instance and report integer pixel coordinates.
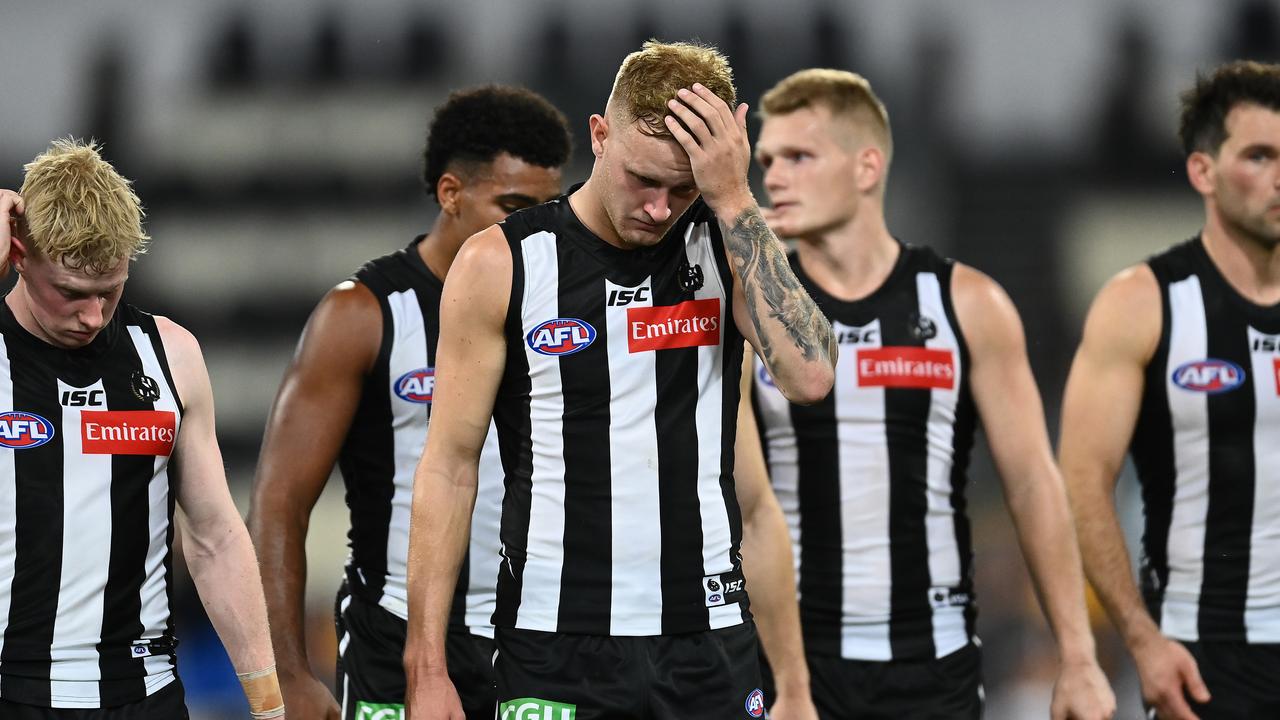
(62, 275)
(805, 127)
(509, 174)
(661, 158)
(1249, 124)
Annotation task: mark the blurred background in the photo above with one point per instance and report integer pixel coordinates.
(277, 146)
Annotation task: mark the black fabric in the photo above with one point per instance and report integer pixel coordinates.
(169, 703)
(692, 676)
(371, 667)
(1240, 677)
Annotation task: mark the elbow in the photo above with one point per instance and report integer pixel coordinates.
(812, 385)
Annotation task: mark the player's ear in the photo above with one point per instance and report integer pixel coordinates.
(18, 243)
(598, 127)
(448, 192)
(1200, 172)
(870, 168)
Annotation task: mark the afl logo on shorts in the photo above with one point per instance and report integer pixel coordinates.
(416, 386)
(755, 703)
(22, 430)
(1210, 376)
(562, 336)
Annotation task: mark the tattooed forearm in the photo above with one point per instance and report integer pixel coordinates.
(766, 277)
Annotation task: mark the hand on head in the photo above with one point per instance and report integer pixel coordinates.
(715, 138)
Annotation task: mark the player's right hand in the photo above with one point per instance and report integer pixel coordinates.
(11, 208)
(306, 697)
(432, 696)
(1169, 674)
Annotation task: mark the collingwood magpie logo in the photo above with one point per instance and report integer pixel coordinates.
(144, 387)
(690, 276)
(922, 327)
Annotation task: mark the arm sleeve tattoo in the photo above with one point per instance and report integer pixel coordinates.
(772, 290)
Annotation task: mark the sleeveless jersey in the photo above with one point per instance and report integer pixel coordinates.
(616, 420)
(1207, 450)
(385, 441)
(872, 479)
(86, 515)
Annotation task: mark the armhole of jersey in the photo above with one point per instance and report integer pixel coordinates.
(1161, 355)
(152, 330)
(515, 298)
(945, 270)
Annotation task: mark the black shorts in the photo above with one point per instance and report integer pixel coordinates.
(698, 676)
(1242, 678)
(167, 703)
(370, 675)
(947, 687)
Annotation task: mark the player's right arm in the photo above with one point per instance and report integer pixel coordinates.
(1099, 413)
(470, 357)
(305, 430)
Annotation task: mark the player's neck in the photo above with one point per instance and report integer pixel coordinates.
(852, 261)
(1249, 266)
(440, 246)
(586, 205)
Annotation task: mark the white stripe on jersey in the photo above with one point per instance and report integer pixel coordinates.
(8, 500)
(1188, 342)
(633, 454)
(863, 453)
(1262, 606)
(409, 431)
(540, 585)
(949, 633)
(86, 559)
(482, 582)
(709, 416)
(154, 615)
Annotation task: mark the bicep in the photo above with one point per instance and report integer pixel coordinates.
(318, 398)
(1104, 389)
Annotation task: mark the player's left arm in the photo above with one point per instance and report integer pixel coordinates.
(768, 566)
(1008, 402)
(215, 542)
(771, 308)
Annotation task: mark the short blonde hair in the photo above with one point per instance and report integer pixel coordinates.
(844, 93)
(78, 210)
(652, 75)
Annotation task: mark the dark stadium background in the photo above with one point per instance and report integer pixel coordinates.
(276, 146)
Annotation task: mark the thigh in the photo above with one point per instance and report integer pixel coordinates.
(1240, 677)
(470, 660)
(558, 676)
(370, 661)
(713, 674)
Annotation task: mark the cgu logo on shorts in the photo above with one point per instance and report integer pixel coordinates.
(906, 367)
(562, 336)
(127, 432)
(416, 386)
(755, 703)
(379, 711)
(687, 324)
(24, 430)
(1211, 376)
(535, 709)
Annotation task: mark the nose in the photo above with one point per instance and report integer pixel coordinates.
(659, 207)
(92, 315)
(774, 178)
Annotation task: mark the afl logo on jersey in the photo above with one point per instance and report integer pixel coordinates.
(755, 703)
(22, 430)
(562, 336)
(416, 386)
(1210, 376)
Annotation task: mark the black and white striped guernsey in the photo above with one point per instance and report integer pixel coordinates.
(385, 441)
(86, 515)
(1207, 450)
(872, 479)
(616, 419)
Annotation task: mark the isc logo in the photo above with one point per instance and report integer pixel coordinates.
(416, 386)
(626, 297)
(82, 398)
(22, 430)
(562, 336)
(1210, 376)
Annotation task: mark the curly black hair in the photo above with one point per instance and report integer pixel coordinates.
(477, 124)
(1202, 127)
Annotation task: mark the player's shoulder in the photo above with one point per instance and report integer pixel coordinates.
(180, 344)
